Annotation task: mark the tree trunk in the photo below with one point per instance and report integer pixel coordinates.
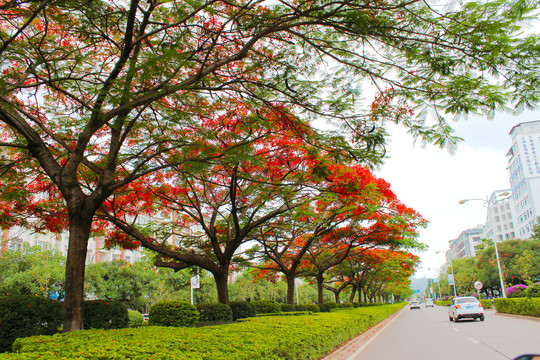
(353, 293)
(222, 286)
(290, 288)
(320, 296)
(336, 297)
(79, 232)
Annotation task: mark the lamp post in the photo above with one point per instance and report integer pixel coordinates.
(485, 202)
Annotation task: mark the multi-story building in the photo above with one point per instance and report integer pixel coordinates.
(500, 217)
(524, 173)
(15, 237)
(465, 245)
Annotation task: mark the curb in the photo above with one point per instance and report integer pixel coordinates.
(523, 317)
(354, 346)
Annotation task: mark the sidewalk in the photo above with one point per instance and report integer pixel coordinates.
(357, 344)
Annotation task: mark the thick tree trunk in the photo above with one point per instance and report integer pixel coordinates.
(336, 297)
(222, 286)
(290, 288)
(79, 232)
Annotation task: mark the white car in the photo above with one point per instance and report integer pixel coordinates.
(414, 305)
(428, 303)
(466, 307)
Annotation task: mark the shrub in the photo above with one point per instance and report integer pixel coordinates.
(266, 306)
(104, 314)
(288, 307)
(313, 308)
(330, 304)
(259, 338)
(173, 313)
(215, 312)
(516, 291)
(242, 309)
(135, 318)
(22, 315)
(443, 302)
(487, 304)
(518, 306)
(345, 305)
(301, 307)
(533, 290)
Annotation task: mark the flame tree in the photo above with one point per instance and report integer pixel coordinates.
(354, 212)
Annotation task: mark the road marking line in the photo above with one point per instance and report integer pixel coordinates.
(474, 340)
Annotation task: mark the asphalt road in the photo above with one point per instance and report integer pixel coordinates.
(427, 334)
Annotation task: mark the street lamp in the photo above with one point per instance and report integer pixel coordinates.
(438, 285)
(485, 202)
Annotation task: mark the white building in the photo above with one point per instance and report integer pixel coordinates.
(524, 173)
(500, 217)
(14, 238)
(465, 245)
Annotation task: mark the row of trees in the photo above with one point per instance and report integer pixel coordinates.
(101, 100)
(37, 271)
(520, 264)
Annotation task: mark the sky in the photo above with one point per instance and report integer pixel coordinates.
(433, 181)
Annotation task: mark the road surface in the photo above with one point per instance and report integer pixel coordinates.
(427, 334)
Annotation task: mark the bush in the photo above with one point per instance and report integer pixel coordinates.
(266, 306)
(345, 305)
(301, 307)
(533, 290)
(330, 305)
(288, 307)
(215, 312)
(314, 308)
(516, 291)
(443, 302)
(22, 316)
(518, 306)
(135, 318)
(260, 338)
(104, 314)
(487, 304)
(242, 309)
(173, 313)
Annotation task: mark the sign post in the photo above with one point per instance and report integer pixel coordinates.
(478, 286)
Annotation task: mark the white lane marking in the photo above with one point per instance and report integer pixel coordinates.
(474, 340)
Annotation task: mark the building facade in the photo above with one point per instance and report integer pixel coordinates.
(524, 173)
(465, 245)
(500, 218)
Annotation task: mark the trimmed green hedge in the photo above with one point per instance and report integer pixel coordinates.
(308, 337)
(104, 314)
(442, 303)
(486, 303)
(23, 315)
(215, 312)
(266, 306)
(518, 306)
(242, 309)
(173, 313)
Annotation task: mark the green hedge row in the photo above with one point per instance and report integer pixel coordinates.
(308, 337)
(518, 306)
(486, 303)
